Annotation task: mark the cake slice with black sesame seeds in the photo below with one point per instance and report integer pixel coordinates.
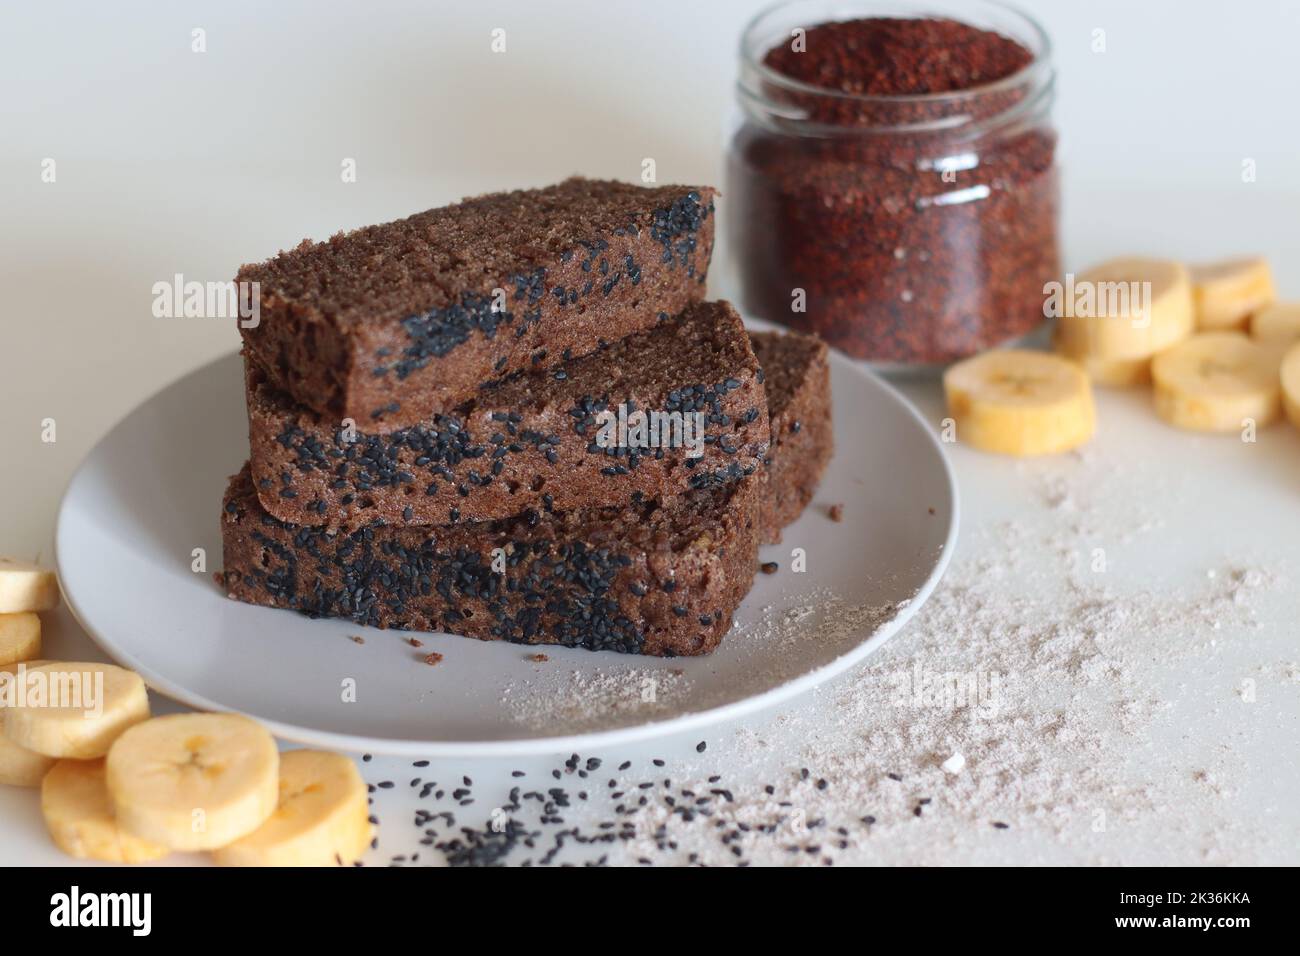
(391, 324)
(687, 392)
(796, 375)
(661, 578)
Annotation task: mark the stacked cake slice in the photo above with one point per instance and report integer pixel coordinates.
(514, 419)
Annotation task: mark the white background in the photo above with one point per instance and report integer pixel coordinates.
(170, 161)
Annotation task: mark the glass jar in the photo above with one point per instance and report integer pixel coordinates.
(907, 230)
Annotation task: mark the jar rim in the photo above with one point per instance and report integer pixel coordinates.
(1035, 73)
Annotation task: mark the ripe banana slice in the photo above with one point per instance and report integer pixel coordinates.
(1126, 308)
(80, 817)
(1278, 322)
(194, 781)
(322, 819)
(1020, 403)
(75, 710)
(1216, 381)
(1291, 384)
(26, 587)
(20, 637)
(1117, 373)
(20, 767)
(1226, 293)
(1110, 373)
(12, 678)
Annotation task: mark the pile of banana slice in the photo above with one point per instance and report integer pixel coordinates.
(1220, 353)
(121, 786)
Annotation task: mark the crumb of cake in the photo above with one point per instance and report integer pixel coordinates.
(433, 658)
(538, 658)
(835, 513)
(356, 639)
(769, 567)
(415, 642)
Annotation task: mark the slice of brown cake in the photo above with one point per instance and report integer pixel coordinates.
(651, 578)
(392, 324)
(797, 379)
(687, 392)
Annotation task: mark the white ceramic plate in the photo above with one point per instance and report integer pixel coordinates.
(149, 494)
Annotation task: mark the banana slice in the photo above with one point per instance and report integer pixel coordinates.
(12, 678)
(1278, 322)
(1290, 375)
(20, 767)
(1215, 381)
(20, 637)
(80, 817)
(1126, 308)
(323, 818)
(26, 587)
(1110, 373)
(1226, 293)
(76, 710)
(1020, 403)
(1117, 373)
(194, 781)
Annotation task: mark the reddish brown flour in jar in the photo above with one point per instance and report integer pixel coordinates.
(892, 57)
(914, 246)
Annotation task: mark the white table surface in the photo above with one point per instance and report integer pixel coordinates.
(171, 161)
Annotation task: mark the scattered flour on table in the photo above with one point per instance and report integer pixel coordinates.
(1001, 708)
